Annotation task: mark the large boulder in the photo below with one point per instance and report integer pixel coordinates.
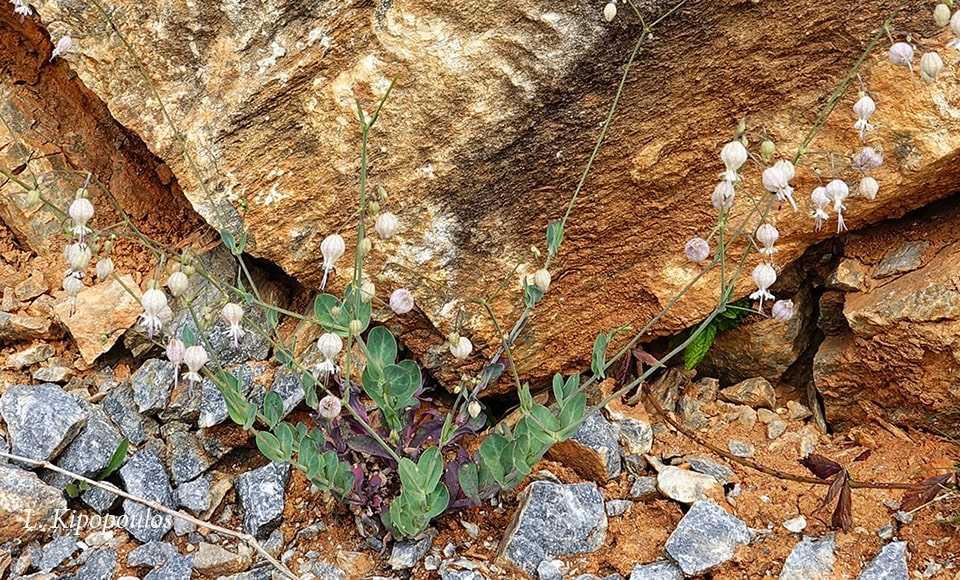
(495, 110)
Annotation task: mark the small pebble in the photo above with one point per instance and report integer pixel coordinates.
(903, 517)
(796, 525)
(473, 530)
(766, 416)
(776, 428)
(741, 449)
(886, 532)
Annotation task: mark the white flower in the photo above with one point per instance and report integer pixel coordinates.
(782, 310)
(460, 346)
(901, 53)
(941, 15)
(775, 180)
(869, 187)
(63, 45)
(21, 7)
(763, 276)
(401, 301)
(177, 283)
(329, 345)
(930, 66)
(72, 286)
(194, 357)
(768, 236)
(176, 350)
(78, 256)
(820, 202)
(332, 247)
(104, 268)
(387, 225)
(232, 314)
(542, 279)
(734, 155)
(80, 211)
(837, 192)
(154, 302)
(697, 250)
(863, 108)
(329, 407)
(723, 194)
(474, 408)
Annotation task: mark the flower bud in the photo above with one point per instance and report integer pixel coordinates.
(332, 247)
(767, 149)
(104, 268)
(462, 348)
(387, 225)
(374, 207)
(930, 66)
(188, 269)
(474, 408)
(535, 251)
(697, 250)
(869, 187)
(335, 311)
(955, 23)
(364, 247)
(367, 291)
(941, 15)
(329, 407)
(541, 279)
(401, 301)
(610, 11)
(78, 255)
(232, 313)
(782, 310)
(176, 351)
(356, 327)
(177, 283)
(72, 286)
(901, 53)
(81, 210)
(723, 194)
(329, 345)
(195, 357)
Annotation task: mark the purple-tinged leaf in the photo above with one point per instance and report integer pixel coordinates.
(924, 492)
(820, 466)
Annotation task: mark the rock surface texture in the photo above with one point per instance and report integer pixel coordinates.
(494, 111)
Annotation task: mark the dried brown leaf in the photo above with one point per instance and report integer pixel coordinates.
(838, 483)
(821, 466)
(924, 492)
(863, 456)
(843, 516)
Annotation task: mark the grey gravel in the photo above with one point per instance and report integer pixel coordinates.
(261, 494)
(598, 434)
(56, 551)
(121, 407)
(407, 553)
(659, 570)
(145, 476)
(810, 559)
(41, 419)
(635, 436)
(741, 449)
(645, 488)
(194, 495)
(705, 537)
(152, 383)
(151, 554)
(889, 564)
(705, 465)
(176, 568)
(618, 507)
(186, 458)
(90, 452)
(22, 492)
(101, 564)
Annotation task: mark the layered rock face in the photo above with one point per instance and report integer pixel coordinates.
(493, 114)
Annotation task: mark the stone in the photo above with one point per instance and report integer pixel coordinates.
(261, 493)
(755, 392)
(287, 384)
(145, 476)
(151, 554)
(31, 287)
(766, 416)
(56, 551)
(618, 507)
(550, 570)
(194, 495)
(448, 573)
(810, 559)
(100, 315)
(41, 419)
(740, 448)
(33, 354)
(213, 407)
(90, 451)
(101, 564)
(719, 472)
(52, 374)
(553, 520)
(705, 538)
(185, 456)
(28, 508)
(99, 499)
(176, 568)
(593, 451)
(849, 276)
(889, 564)
(152, 383)
(212, 561)
(645, 488)
(328, 571)
(683, 485)
(659, 570)
(795, 525)
(19, 327)
(906, 257)
(121, 406)
(408, 553)
(797, 411)
(776, 428)
(635, 436)
(691, 415)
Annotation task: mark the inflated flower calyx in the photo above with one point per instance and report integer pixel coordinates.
(232, 314)
(387, 225)
(863, 108)
(838, 191)
(764, 275)
(78, 256)
(364, 247)
(697, 250)
(767, 149)
(723, 194)
(930, 66)
(867, 158)
(734, 155)
(901, 54)
(367, 291)
(401, 301)
(955, 25)
(768, 236)
(782, 310)
(81, 210)
(104, 268)
(610, 11)
(194, 357)
(820, 203)
(869, 187)
(355, 327)
(72, 286)
(474, 408)
(176, 351)
(178, 283)
(373, 207)
(461, 347)
(542, 279)
(329, 345)
(329, 407)
(941, 15)
(332, 247)
(775, 180)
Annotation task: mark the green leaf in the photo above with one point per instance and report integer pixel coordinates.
(571, 415)
(324, 307)
(286, 434)
(469, 479)
(284, 356)
(250, 417)
(430, 467)
(189, 338)
(229, 241)
(403, 380)
(309, 385)
(526, 399)
(269, 445)
(545, 418)
(531, 295)
(273, 317)
(272, 409)
(699, 347)
(116, 460)
(491, 450)
(72, 490)
(381, 347)
(554, 236)
(599, 358)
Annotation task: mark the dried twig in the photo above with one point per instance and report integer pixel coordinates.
(249, 539)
